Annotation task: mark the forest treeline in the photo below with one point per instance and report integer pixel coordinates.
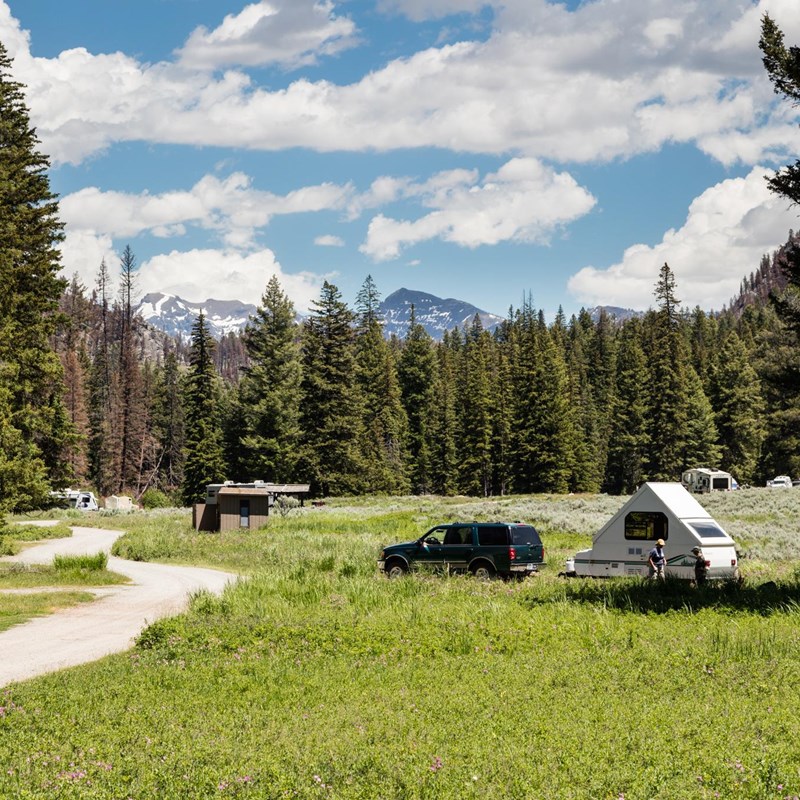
(581, 404)
(90, 395)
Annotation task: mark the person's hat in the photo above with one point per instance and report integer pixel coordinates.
(695, 549)
(660, 542)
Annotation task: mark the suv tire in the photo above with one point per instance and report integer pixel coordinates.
(484, 571)
(396, 569)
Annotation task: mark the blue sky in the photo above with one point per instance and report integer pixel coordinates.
(478, 150)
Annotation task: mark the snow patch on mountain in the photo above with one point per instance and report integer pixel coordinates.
(176, 316)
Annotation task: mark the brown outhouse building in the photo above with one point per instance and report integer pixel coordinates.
(232, 506)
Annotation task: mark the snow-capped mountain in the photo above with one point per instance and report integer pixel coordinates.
(176, 316)
(435, 314)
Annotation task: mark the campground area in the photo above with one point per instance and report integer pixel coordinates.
(318, 677)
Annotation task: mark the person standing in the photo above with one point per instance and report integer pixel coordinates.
(657, 561)
(700, 566)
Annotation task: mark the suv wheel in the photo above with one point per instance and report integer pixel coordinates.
(483, 572)
(396, 569)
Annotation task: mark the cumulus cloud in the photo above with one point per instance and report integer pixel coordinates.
(290, 33)
(609, 79)
(524, 201)
(329, 240)
(225, 275)
(229, 206)
(727, 230)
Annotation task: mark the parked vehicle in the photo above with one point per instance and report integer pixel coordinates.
(658, 511)
(780, 482)
(75, 498)
(485, 549)
(703, 480)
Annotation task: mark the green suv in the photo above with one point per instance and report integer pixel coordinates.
(485, 549)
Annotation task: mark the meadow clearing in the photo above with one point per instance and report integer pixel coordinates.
(316, 677)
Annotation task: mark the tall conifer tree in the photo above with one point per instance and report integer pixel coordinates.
(628, 443)
(204, 456)
(33, 422)
(385, 422)
(416, 371)
(270, 389)
(668, 384)
(331, 406)
(476, 424)
(740, 411)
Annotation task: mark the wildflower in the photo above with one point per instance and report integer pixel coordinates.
(436, 764)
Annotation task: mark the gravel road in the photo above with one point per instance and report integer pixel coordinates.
(92, 630)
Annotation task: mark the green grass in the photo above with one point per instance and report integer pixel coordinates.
(12, 535)
(18, 608)
(317, 677)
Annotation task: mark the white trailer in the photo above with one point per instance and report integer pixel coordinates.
(658, 511)
(780, 482)
(703, 480)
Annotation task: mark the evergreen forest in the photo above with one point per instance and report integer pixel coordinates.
(91, 396)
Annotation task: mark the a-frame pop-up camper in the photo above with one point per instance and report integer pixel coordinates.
(658, 511)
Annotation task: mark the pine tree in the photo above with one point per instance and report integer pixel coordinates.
(442, 424)
(587, 465)
(331, 405)
(475, 468)
(700, 448)
(385, 423)
(502, 412)
(543, 447)
(269, 392)
(129, 414)
(204, 457)
(628, 443)
(668, 385)
(416, 372)
(740, 411)
(169, 423)
(33, 421)
(783, 67)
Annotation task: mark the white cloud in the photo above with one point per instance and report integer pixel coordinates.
(286, 32)
(230, 206)
(608, 80)
(329, 240)
(82, 253)
(225, 275)
(727, 230)
(524, 201)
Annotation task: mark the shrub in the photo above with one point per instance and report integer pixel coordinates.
(285, 503)
(155, 498)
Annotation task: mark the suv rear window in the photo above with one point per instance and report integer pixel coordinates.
(525, 534)
(492, 535)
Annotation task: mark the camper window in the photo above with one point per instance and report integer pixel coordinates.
(708, 530)
(649, 525)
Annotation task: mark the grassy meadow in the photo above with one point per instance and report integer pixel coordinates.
(316, 677)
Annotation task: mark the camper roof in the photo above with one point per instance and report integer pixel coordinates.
(671, 498)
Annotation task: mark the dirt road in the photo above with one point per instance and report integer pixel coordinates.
(109, 624)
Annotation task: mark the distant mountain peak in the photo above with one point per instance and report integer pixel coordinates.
(173, 314)
(435, 314)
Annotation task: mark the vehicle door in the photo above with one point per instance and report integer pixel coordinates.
(457, 547)
(430, 547)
